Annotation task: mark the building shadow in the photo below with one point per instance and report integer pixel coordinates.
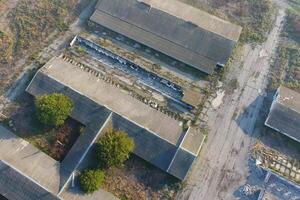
(251, 117)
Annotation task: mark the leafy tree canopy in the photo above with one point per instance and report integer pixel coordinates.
(114, 148)
(53, 109)
(91, 180)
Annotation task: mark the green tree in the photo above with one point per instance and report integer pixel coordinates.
(114, 148)
(53, 109)
(91, 180)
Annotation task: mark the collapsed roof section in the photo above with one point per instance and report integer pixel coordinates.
(284, 115)
(173, 28)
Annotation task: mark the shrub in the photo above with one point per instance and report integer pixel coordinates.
(114, 148)
(53, 109)
(91, 180)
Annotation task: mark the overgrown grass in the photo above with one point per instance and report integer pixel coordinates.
(257, 20)
(286, 69)
(6, 47)
(33, 21)
(292, 57)
(292, 26)
(32, 25)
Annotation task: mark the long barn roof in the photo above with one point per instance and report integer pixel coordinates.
(173, 28)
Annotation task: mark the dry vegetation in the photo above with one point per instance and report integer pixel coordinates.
(138, 180)
(6, 48)
(27, 26)
(286, 68)
(33, 21)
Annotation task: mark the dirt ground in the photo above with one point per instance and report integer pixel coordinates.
(138, 180)
(223, 164)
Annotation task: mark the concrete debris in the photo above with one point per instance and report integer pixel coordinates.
(249, 190)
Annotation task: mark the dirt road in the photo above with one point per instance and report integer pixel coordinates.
(223, 165)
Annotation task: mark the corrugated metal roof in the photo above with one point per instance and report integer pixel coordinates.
(181, 164)
(198, 17)
(175, 37)
(285, 120)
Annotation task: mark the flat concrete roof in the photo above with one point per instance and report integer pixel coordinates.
(29, 160)
(284, 115)
(159, 139)
(193, 140)
(27, 173)
(196, 16)
(289, 98)
(113, 98)
(15, 186)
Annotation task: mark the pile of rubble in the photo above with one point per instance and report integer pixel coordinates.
(275, 161)
(249, 190)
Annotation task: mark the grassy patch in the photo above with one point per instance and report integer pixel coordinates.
(291, 56)
(6, 47)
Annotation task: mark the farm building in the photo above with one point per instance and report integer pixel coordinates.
(175, 29)
(159, 138)
(284, 115)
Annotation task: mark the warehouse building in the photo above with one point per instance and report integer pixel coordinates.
(159, 138)
(175, 29)
(284, 115)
